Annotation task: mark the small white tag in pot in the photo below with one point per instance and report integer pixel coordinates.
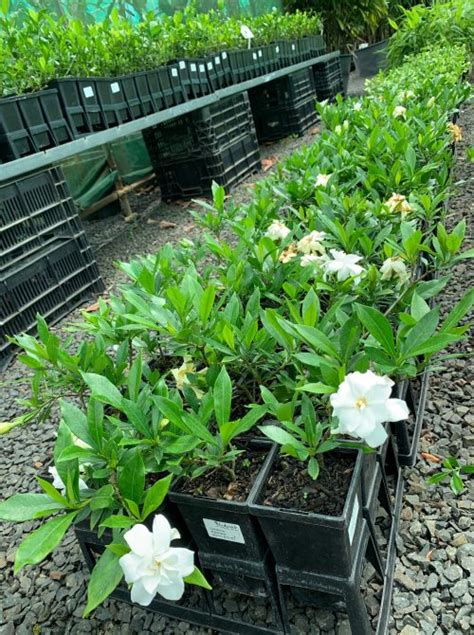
(354, 518)
(209, 66)
(88, 91)
(115, 88)
(193, 68)
(217, 60)
(254, 55)
(182, 65)
(260, 53)
(364, 45)
(224, 55)
(174, 72)
(277, 49)
(224, 531)
(293, 47)
(202, 68)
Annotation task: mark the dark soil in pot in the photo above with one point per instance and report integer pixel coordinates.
(217, 483)
(290, 486)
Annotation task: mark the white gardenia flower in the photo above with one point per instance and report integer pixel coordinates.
(277, 231)
(344, 265)
(362, 404)
(58, 482)
(311, 260)
(153, 566)
(406, 94)
(394, 268)
(180, 375)
(357, 106)
(311, 243)
(399, 111)
(322, 180)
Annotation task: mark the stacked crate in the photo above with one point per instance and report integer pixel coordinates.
(328, 79)
(217, 143)
(46, 262)
(285, 106)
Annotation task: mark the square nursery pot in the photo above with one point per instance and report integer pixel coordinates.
(32, 123)
(316, 45)
(147, 102)
(310, 542)
(371, 59)
(112, 96)
(194, 77)
(221, 527)
(242, 64)
(407, 433)
(179, 94)
(219, 72)
(289, 52)
(270, 59)
(70, 95)
(90, 101)
(161, 89)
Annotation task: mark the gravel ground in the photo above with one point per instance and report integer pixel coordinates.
(436, 543)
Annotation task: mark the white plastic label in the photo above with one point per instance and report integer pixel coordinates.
(174, 72)
(209, 66)
(293, 47)
(260, 53)
(254, 55)
(224, 55)
(354, 518)
(115, 88)
(88, 91)
(364, 45)
(277, 49)
(182, 65)
(224, 531)
(202, 68)
(193, 68)
(217, 60)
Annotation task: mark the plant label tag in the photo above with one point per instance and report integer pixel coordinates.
(277, 49)
(193, 68)
(353, 521)
(115, 88)
(209, 66)
(182, 65)
(293, 47)
(224, 531)
(260, 53)
(88, 92)
(202, 68)
(217, 60)
(174, 72)
(254, 55)
(224, 55)
(364, 45)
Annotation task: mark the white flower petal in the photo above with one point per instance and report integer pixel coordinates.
(185, 560)
(132, 566)
(140, 540)
(397, 410)
(139, 595)
(161, 534)
(376, 437)
(173, 591)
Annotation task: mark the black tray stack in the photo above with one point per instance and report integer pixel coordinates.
(46, 263)
(328, 79)
(285, 106)
(217, 143)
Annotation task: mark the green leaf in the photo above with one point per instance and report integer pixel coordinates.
(311, 308)
(131, 480)
(282, 437)
(41, 542)
(206, 303)
(95, 421)
(156, 495)
(434, 344)
(21, 507)
(118, 522)
(316, 339)
(135, 378)
(105, 577)
(197, 579)
(52, 492)
(103, 389)
(421, 332)
(313, 468)
(76, 421)
(75, 452)
(318, 388)
(103, 498)
(457, 486)
(437, 478)
(378, 326)
(456, 314)
(419, 307)
(222, 397)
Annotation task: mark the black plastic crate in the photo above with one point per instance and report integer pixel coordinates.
(51, 282)
(228, 167)
(202, 132)
(281, 122)
(283, 92)
(34, 210)
(328, 79)
(31, 123)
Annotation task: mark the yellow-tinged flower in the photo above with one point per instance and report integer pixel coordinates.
(456, 132)
(399, 203)
(394, 268)
(277, 231)
(289, 253)
(406, 94)
(399, 111)
(180, 375)
(322, 180)
(311, 244)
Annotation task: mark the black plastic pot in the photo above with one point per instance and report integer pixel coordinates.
(346, 63)
(194, 77)
(226, 69)
(371, 59)
(314, 543)
(132, 98)
(91, 104)
(147, 102)
(69, 90)
(161, 90)
(179, 93)
(270, 58)
(242, 64)
(317, 45)
(289, 52)
(407, 438)
(224, 528)
(15, 139)
(112, 100)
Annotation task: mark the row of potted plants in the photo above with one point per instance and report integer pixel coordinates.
(70, 79)
(252, 370)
